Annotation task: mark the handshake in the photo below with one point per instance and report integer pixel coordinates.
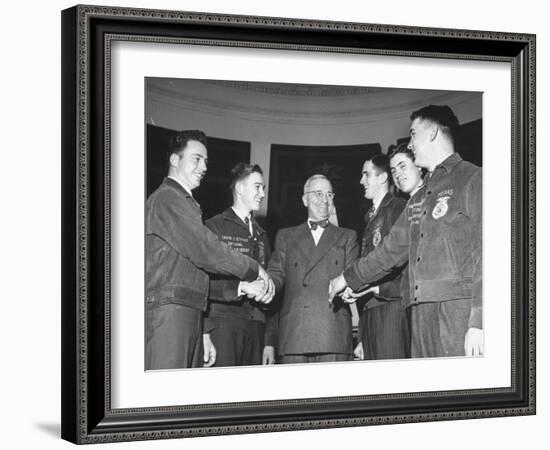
(339, 286)
(261, 290)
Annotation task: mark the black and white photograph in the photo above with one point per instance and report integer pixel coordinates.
(285, 104)
(280, 224)
(306, 223)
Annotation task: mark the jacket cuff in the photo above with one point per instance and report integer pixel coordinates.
(230, 291)
(252, 272)
(352, 279)
(209, 324)
(476, 318)
(270, 338)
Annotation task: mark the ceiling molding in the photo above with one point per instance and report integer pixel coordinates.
(332, 113)
(294, 90)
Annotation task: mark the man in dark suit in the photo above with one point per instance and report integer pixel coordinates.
(306, 257)
(383, 328)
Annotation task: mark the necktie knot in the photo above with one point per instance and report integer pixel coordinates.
(320, 223)
(248, 223)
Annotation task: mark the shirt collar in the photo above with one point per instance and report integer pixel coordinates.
(242, 217)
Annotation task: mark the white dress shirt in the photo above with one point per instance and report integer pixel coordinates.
(317, 233)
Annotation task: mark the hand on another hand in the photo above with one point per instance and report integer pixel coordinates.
(349, 296)
(335, 286)
(269, 287)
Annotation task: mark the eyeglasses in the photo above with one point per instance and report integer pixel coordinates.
(320, 195)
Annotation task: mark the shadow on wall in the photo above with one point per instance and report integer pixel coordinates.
(52, 429)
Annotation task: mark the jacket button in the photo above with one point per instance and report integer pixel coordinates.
(418, 259)
(421, 235)
(304, 284)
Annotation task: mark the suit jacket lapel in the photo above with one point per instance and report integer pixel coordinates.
(305, 241)
(327, 241)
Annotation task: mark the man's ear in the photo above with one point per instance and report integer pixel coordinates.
(174, 159)
(239, 187)
(304, 200)
(384, 176)
(433, 132)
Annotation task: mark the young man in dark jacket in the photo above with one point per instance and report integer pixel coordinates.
(244, 332)
(407, 177)
(440, 235)
(383, 327)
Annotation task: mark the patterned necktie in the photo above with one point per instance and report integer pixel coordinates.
(371, 212)
(320, 223)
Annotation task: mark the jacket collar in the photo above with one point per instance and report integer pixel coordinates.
(450, 162)
(176, 185)
(330, 236)
(314, 253)
(386, 200)
(229, 214)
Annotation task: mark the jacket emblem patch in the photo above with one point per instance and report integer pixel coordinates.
(376, 237)
(441, 207)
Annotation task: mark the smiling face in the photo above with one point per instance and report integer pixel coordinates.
(406, 175)
(316, 198)
(373, 180)
(251, 191)
(189, 165)
(421, 132)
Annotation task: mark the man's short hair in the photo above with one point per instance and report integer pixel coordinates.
(315, 177)
(442, 115)
(241, 171)
(400, 148)
(178, 141)
(382, 164)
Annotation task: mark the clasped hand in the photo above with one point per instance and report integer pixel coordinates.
(351, 296)
(261, 290)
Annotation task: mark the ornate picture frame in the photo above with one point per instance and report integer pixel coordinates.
(88, 33)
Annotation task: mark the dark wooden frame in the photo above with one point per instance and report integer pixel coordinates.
(87, 33)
